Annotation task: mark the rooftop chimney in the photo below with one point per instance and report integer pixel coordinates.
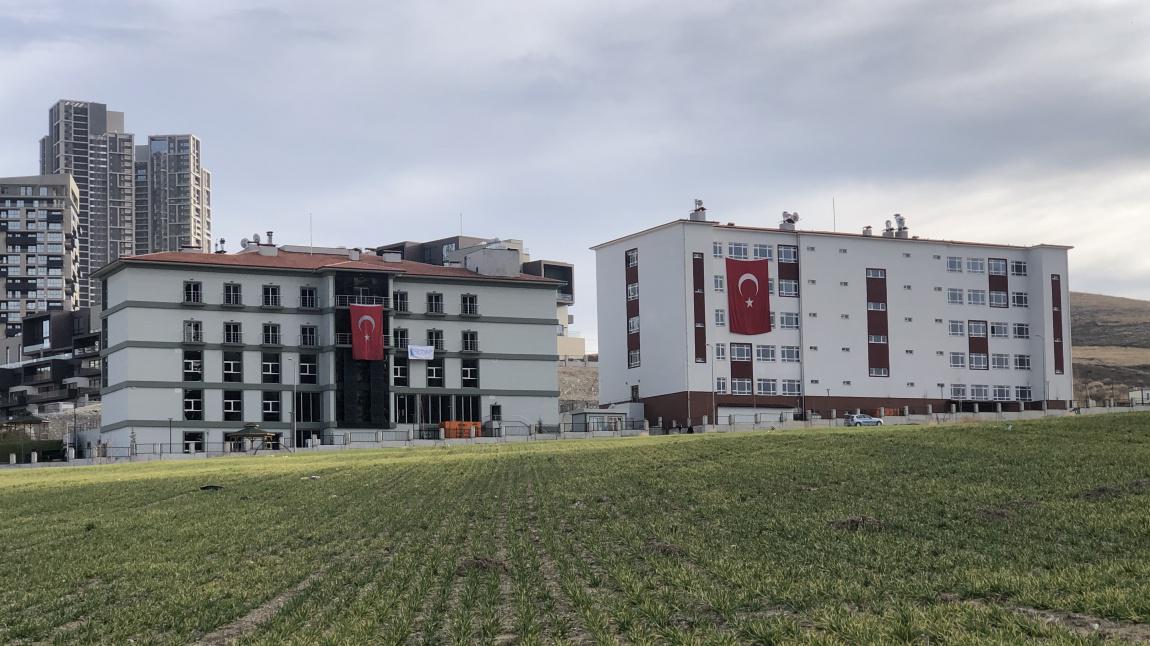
(902, 231)
(269, 237)
(868, 231)
(354, 254)
(700, 212)
(888, 232)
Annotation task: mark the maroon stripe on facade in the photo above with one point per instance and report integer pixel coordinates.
(1056, 306)
(742, 369)
(698, 282)
(631, 277)
(978, 344)
(878, 355)
(997, 283)
(877, 323)
(788, 270)
(876, 290)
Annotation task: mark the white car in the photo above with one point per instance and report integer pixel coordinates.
(862, 420)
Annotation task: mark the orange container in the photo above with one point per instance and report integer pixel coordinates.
(457, 430)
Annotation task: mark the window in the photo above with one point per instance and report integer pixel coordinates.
(193, 365)
(740, 352)
(1000, 361)
(998, 299)
(843, 283)
(790, 353)
(958, 391)
(632, 291)
(873, 306)
(233, 405)
(1001, 393)
(876, 338)
(717, 249)
(879, 372)
(764, 353)
(434, 303)
(954, 263)
(720, 282)
(271, 406)
(740, 385)
(470, 339)
(271, 334)
(193, 291)
(720, 351)
(844, 316)
(193, 405)
(399, 301)
(193, 332)
(768, 386)
(308, 335)
(632, 325)
(308, 298)
(763, 252)
(788, 253)
(399, 338)
(737, 250)
(720, 317)
(1022, 393)
(308, 368)
(954, 296)
(977, 329)
(771, 286)
(1019, 299)
(1022, 330)
(399, 371)
(469, 305)
(233, 294)
(842, 250)
(1022, 362)
(997, 266)
(788, 287)
(435, 373)
(792, 387)
(234, 367)
(632, 358)
(976, 265)
(845, 349)
(271, 296)
(632, 257)
(789, 320)
(721, 385)
(1017, 267)
(271, 368)
(307, 407)
(957, 360)
(980, 392)
(435, 339)
(976, 297)
(978, 361)
(876, 273)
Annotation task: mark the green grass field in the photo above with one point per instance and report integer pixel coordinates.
(954, 534)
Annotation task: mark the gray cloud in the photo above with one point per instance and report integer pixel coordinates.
(568, 123)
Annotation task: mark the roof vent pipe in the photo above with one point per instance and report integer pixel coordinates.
(888, 232)
(700, 212)
(868, 231)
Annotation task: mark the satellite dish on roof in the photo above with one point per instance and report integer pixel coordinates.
(245, 242)
(256, 238)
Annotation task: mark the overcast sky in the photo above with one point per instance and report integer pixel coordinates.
(570, 123)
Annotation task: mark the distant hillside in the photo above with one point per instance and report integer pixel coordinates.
(1098, 320)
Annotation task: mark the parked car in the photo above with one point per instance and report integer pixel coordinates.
(862, 420)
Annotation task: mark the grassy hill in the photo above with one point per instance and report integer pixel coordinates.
(960, 534)
(1111, 344)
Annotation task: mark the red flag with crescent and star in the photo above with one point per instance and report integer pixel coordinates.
(367, 332)
(748, 296)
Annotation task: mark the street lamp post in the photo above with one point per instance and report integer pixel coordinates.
(714, 410)
(170, 440)
(295, 382)
(1042, 353)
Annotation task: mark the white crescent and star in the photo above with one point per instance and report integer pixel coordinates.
(359, 324)
(754, 279)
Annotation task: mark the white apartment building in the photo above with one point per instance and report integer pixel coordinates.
(198, 345)
(869, 322)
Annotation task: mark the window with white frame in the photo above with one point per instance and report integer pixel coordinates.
(1022, 330)
(399, 374)
(233, 405)
(740, 385)
(980, 392)
(978, 361)
(876, 338)
(954, 263)
(976, 265)
(788, 287)
(740, 352)
(956, 328)
(632, 324)
(271, 368)
(998, 299)
(721, 385)
(632, 358)
(1023, 393)
(717, 249)
(193, 405)
(954, 296)
(720, 282)
(632, 291)
(792, 387)
(977, 329)
(771, 286)
(788, 253)
(720, 317)
(193, 291)
(876, 273)
(308, 368)
(765, 352)
(1020, 299)
(957, 360)
(1001, 393)
(768, 386)
(789, 320)
(996, 266)
(958, 391)
(976, 297)
(737, 250)
(1017, 267)
(790, 353)
(1000, 361)
(763, 252)
(632, 257)
(875, 306)
(271, 406)
(720, 351)
(1022, 362)
(879, 372)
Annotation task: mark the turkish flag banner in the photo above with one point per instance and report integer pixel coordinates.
(748, 298)
(367, 332)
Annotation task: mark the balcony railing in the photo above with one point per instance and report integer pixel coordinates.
(272, 339)
(566, 297)
(234, 338)
(469, 310)
(343, 300)
(343, 338)
(193, 337)
(232, 299)
(308, 340)
(471, 345)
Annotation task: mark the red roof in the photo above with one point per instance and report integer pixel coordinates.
(295, 260)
